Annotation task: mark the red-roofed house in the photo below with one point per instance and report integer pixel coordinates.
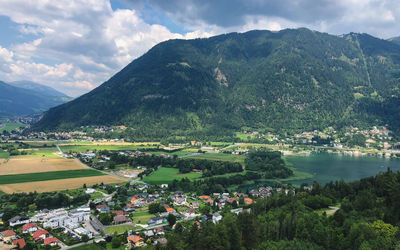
(204, 197)
(29, 228)
(8, 235)
(135, 240)
(248, 201)
(118, 212)
(50, 241)
(40, 235)
(20, 243)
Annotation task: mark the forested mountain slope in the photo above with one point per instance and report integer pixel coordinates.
(290, 80)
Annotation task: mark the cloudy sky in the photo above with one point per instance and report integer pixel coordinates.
(75, 45)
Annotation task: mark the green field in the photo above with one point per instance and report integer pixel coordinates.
(11, 126)
(141, 217)
(119, 229)
(178, 153)
(46, 176)
(218, 157)
(3, 154)
(42, 152)
(85, 148)
(167, 175)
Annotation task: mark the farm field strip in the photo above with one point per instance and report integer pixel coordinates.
(58, 185)
(84, 148)
(37, 165)
(55, 175)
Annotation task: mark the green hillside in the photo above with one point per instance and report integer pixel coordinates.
(290, 80)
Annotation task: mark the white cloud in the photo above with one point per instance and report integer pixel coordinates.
(79, 43)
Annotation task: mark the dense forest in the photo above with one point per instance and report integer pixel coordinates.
(287, 81)
(368, 218)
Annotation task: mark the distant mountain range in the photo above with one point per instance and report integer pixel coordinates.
(291, 80)
(43, 89)
(27, 98)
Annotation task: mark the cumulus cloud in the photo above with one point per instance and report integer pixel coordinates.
(377, 17)
(86, 41)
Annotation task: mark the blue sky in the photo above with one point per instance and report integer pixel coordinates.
(75, 45)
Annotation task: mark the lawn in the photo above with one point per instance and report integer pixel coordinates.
(96, 195)
(167, 175)
(4, 154)
(219, 157)
(119, 229)
(141, 217)
(55, 175)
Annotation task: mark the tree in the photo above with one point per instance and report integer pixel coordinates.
(32, 207)
(85, 238)
(171, 219)
(116, 242)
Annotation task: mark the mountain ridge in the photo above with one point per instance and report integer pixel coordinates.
(294, 79)
(15, 101)
(43, 89)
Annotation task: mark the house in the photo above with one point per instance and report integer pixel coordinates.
(50, 241)
(248, 201)
(237, 210)
(90, 191)
(155, 220)
(29, 228)
(204, 197)
(129, 207)
(149, 233)
(159, 230)
(18, 220)
(8, 235)
(231, 201)
(135, 241)
(164, 185)
(40, 235)
(161, 241)
(216, 217)
(119, 219)
(103, 208)
(20, 243)
(189, 214)
(195, 205)
(118, 212)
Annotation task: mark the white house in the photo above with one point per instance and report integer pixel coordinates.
(216, 217)
(18, 220)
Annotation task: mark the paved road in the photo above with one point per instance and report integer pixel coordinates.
(78, 245)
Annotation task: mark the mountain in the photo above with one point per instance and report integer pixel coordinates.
(15, 101)
(43, 89)
(395, 40)
(291, 80)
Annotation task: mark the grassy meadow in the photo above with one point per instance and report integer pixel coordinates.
(218, 157)
(167, 175)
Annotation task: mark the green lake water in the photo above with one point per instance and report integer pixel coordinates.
(331, 167)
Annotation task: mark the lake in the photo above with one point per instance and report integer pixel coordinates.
(330, 167)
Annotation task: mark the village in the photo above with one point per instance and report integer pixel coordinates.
(145, 218)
